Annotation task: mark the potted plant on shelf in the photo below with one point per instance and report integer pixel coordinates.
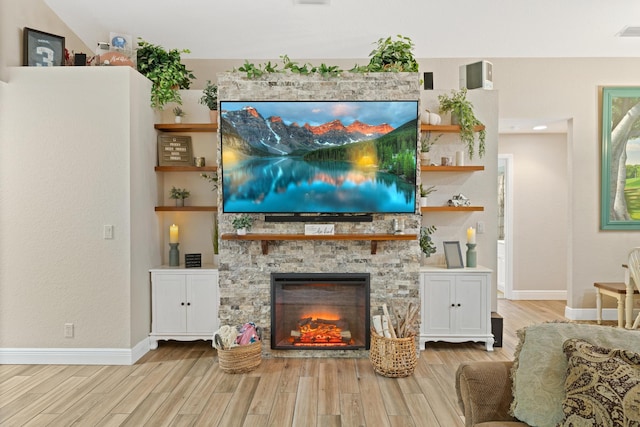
(461, 110)
(425, 146)
(165, 71)
(179, 194)
(424, 193)
(426, 244)
(242, 224)
(178, 113)
(210, 99)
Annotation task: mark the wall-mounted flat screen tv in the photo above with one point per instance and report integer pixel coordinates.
(338, 157)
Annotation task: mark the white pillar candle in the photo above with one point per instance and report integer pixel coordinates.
(471, 235)
(459, 158)
(173, 234)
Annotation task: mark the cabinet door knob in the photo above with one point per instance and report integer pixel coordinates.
(181, 303)
(459, 304)
(188, 303)
(453, 305)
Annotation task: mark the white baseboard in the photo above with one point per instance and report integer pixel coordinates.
(74, 356)
(592, 313)
(539, 295)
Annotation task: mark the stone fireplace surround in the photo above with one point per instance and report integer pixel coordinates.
(244, 271)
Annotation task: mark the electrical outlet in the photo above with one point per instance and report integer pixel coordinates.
(107, 233)
(68, 330)
(480, 227)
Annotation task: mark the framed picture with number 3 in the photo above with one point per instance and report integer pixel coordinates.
(42, 49)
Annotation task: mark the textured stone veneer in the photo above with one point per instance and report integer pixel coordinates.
(244, 272)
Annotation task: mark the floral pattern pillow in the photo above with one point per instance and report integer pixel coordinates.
(602, 386)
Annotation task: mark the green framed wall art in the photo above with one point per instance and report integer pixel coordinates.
(620, 171)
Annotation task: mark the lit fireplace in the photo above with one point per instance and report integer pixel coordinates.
(320, 311)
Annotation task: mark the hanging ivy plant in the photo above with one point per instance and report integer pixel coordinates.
(462, 109)
(165, 71)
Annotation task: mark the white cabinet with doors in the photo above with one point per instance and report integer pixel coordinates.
(184, 304)
(456, 305)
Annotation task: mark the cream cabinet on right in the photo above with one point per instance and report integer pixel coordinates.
(456, 305)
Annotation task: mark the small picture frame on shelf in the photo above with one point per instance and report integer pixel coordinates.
(453, 254)
(40, 49)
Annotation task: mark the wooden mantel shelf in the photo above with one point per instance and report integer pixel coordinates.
(452, 209)
(266, 238)
(187, 127)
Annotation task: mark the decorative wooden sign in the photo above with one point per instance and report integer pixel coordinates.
(319, 229)
(192, 260)
(175, 150)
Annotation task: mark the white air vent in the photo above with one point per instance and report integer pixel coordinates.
(630, 31)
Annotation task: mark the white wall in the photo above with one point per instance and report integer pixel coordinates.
(541, 209)
(78, 152)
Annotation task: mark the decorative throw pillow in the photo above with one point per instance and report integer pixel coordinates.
(602, 386)
(540, 366)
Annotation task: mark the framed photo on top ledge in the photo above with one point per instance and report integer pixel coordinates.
(42, 49)
(620, 170)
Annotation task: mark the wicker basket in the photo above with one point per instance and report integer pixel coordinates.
(241, 359)
(393, 357)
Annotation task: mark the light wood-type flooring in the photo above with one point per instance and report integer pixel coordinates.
(180, 384)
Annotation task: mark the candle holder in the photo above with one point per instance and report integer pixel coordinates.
(472, 255)
(174, 255)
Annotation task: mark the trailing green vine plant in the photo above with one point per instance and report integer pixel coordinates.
(461, 108)
(165, 71)
(389, 56)
(212, 178)
(215, 234)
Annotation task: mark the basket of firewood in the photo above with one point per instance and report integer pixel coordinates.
(393, 351)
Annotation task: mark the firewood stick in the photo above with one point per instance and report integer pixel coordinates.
(386, 328)
(392, 332)
(377, 324)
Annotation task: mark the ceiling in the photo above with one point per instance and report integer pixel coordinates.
(258, 29)
(348, 29)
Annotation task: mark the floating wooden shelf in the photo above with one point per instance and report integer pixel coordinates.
(452, 209)
(187, 127)
(451, 168)
(447, 128)
(186, 208)
(266, 238)
(186, 169)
